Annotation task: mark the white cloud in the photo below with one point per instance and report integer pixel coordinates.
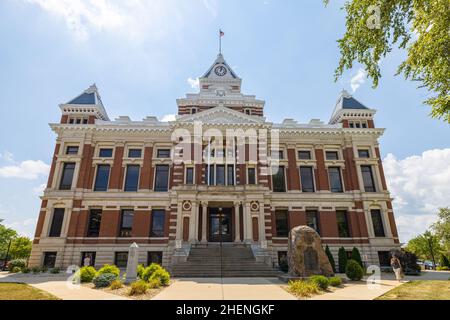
(194, 83)
(24, 227)
(7, 156)
(28, 169)
(168, 117)
(358, 79)
(420, 185)
(39, 189)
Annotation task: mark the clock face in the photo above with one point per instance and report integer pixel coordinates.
(220, 71)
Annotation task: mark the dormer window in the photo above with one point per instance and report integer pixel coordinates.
(248, 111)
(193, 110)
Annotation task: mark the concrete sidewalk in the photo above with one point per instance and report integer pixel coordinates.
(225, 289)
(57, 285)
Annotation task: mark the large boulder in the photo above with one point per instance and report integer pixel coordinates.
(306, 256)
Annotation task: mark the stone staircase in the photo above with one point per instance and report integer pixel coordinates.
(222, 261)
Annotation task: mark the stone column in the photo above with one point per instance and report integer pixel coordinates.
(237, 231)
(248, 232)
(133, 255)
(204, 213)
(262, 223)
(179, 235)
(193, 223)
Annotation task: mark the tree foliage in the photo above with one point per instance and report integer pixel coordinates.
(20, 246)
(6, 234)
(421, 27)
(425, 246)
(330, 258)
(356, 256)
(342, 256)
(442, 228)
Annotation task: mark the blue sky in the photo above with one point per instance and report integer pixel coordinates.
(141, 55)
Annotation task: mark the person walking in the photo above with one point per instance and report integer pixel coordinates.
(396, 265)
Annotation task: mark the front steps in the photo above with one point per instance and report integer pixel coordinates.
(222, 261)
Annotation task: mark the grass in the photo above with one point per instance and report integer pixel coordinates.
(22, 291)
(419, 290)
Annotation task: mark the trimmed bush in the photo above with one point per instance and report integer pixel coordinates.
(303, 288)
(444, 261)
(162, 275)
(148, 272)
(15, 270)
(444, 268)
(104, 280)
(87, 274)
(55, 270)
(116, 284)
(321, 281)
(26, 270)
(20, 263)
(44, 269)
(330, 258)
(354, 271)
(35, 269)
(342, 255)
(140, 270)
(154, 284)
(357, 257)
(138, 287)
(335, 281)
(109, 268)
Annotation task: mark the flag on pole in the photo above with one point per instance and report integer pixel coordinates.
(221, 33)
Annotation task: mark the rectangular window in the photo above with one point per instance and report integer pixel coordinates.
(351, 124)
(331, 155)
(251, 175)
(369, 185)
(88, 255)
(95, 218)
(220, 175)
(377, 222)
(163, 153)
(334, 175)
(126, 223)
(162, 178)
(121, 259)
(230, 175)
(85, 121)
(306, 177)
(278, 179)
(363, 125)
(281, 223)
(105, 153)
(49, 259)
(157, 223)
(154, 257)
(134, 153)
(189, 175)
(211, 175)
(57, 221)
(72, 150)
(280, 154)
(342, 222)
(304, 155)
(312, 220)
(363, 153)
(67, 176)
(358, 125)
(102, 178)
(132, 178)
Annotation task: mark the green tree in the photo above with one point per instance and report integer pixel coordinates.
(421, 27)
(444, 261)
(20, 248)
(442, 228)
(426, 246)
(342, 255)
(6, 234)
(357, 257)
(330, 258)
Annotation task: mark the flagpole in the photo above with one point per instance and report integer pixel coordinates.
(220, 43)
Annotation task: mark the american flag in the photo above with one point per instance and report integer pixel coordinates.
(221, 33)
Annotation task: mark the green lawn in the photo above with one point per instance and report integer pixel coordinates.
(419, 290)
(21, 291)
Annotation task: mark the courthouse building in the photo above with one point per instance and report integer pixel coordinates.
(115, 182)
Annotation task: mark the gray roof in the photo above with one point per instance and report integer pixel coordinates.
(84, 98)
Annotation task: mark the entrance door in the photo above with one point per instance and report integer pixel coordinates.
(220, 225)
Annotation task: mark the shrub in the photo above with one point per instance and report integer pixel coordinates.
(444, 261)
(104, 280)
(55, 270)
(35, 269)
(44, 269)
(154, 284)
(20, 263)
(87, 274)
(25, 270)
(116, 284)
(444, 268)
(354, 271)
(342, 255)
(138, 287)
(162, 275)
(140, 270)
(335, 281)
(357, 257)
(303, 288)
(147, 273)
(14, 270)
(330, 258)
(321, 281)
(109, 268)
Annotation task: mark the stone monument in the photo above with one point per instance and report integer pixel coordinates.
(306, 256)
(132, 263)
